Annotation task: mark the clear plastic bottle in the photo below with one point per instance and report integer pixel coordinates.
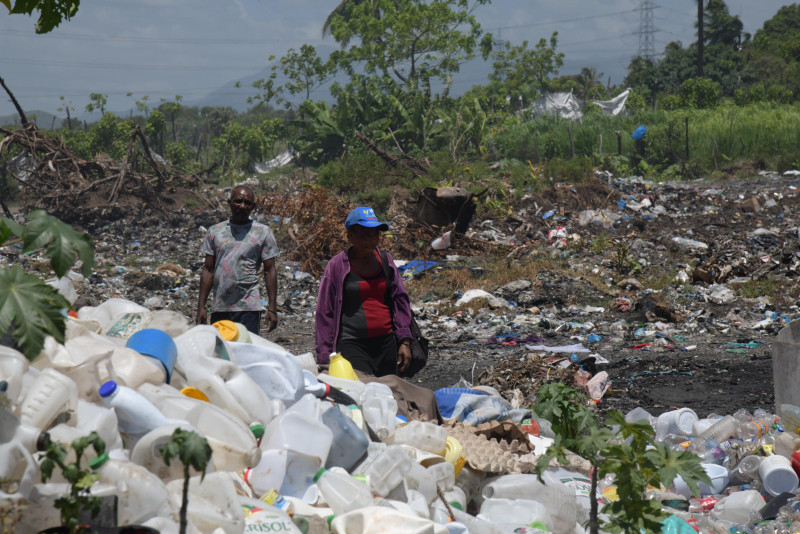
(379, 408)
(790, 418)
(720, 431)
(342, 492)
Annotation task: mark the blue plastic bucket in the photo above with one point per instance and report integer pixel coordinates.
(155, 344)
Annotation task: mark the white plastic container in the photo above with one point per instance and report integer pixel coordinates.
(424, 436)
(147, 452)
(777, 475)
(349, 443)
(108, 311)
(142, 495)
(738, 507)
(720, 431)
(354, 389)
(225, 384)
(262, 517)
(277, 372)
(90, 418)
(516, 512)
(559, 500)
(296, 431)
(232, 441)
(342, 492)
(18, 468)
(719, 480)
(288, 472)
(379, 408)
(380, 519)
(51, 395)
(418, 478)
(388, 470)
(443, 474)
(675, 422)
(13, 365)
(136, 414)
(213, 503)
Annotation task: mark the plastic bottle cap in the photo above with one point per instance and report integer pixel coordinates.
(456, 505)
(98, 461)
(194, 393)
(3, 386)
(403, 418)
(330, 520)
(257, 430)
(155, 344)
(107, 389)
(319, 474)
(227, 329)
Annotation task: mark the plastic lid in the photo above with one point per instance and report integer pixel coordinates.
(3, 386)
(227, 329)
(456, 505)
(319, 474)
(194, 393)
(257, 430)
(107, 389)
(98, 461)
(686, 419)
(330, 520)
(403, 418)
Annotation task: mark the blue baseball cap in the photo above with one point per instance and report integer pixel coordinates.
(365, 216)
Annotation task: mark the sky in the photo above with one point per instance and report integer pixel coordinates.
(164, 48)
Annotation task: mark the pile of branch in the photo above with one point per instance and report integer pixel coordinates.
(65, 185)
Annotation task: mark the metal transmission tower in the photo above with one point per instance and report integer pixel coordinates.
(647, 49)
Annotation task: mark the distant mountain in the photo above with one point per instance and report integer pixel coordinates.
(42, 119)
(231, 95)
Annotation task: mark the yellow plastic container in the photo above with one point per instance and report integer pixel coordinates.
(341, 368)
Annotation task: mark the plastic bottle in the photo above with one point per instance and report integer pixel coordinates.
(349, 444)
(469, 480)
(18, 468)
(213, 503)
(720, 431)
(51, 395)
(379, 408)
(738, 508)
(777, 475)
(516, 512)
(746, 470)
(136, 414)
(790, 418)
(442, 242)
(342, 492)
(388, 470)
(300, 429)
(675, 422)
(232, 441)
(13, 365)
(90, 417)
(425, 436)
(147, 452)
(340, 367)
(786, 443)
(141, 494)
(350, 387)
(559, 500)
(225, 384)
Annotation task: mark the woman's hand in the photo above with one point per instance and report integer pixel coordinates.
(403, 356)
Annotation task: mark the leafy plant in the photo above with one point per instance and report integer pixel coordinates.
(28, 305)
(625, 452)
(194, 452)
(80, 479)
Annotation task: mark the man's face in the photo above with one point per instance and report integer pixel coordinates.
(241, 204)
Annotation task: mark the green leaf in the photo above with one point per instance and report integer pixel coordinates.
(9, 227)
(673, 463)
(62, 243)
(33, 307)
(6, 3)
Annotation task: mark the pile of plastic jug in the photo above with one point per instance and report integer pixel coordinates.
(296, 450)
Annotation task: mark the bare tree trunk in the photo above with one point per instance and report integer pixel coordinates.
(22, 116)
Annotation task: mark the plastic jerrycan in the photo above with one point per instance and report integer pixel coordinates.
(222, 381)
(342, 492)
(233, 443)
(518, 512)
(299, 428)
(560, 501)
(379, 408)
(13, 365)
(50, 395)
(109, 311)
(213, 503)
(425, 436)
(276, 371)
(340, 367)
(90, 418)
(142, 495)
(388, 470)
(18, 468)
(147, 452)
(349, 443)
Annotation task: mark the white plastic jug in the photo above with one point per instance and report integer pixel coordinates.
(352, 388)
(288, 472)
(559, 500)
(213, 503)
(380, 519)
(418, 478)
(18, 468)
(141, 494)
(232, 441)
(51, 395)
(517, 512)
(379, 408)
(108, 311)
(89, 418)
(147, 452)
(262, 517)
(424, 436)
(342, 492)
(299, 432)
(13, 365)
(276, 371)
(738, 507)
(388, 470)
(222, 381)
(349, 444)
(443, 474)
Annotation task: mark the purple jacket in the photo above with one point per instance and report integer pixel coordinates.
(329, 305)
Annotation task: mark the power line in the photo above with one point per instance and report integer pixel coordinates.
(647, 49)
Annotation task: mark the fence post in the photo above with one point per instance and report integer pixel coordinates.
(619, 142)
(687, 139)
(571, 143)
(536, 138)
(600, 148)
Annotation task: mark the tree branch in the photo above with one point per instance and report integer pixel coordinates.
(22, 116)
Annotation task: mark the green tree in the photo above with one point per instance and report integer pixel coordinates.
(66, 107)
(51, 12)
(97, 102)
(521, 71)
(720, 27)
(172, 110)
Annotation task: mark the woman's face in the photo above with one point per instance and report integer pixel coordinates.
(362, 237)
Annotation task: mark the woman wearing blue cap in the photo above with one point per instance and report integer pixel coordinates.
(356, 315)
